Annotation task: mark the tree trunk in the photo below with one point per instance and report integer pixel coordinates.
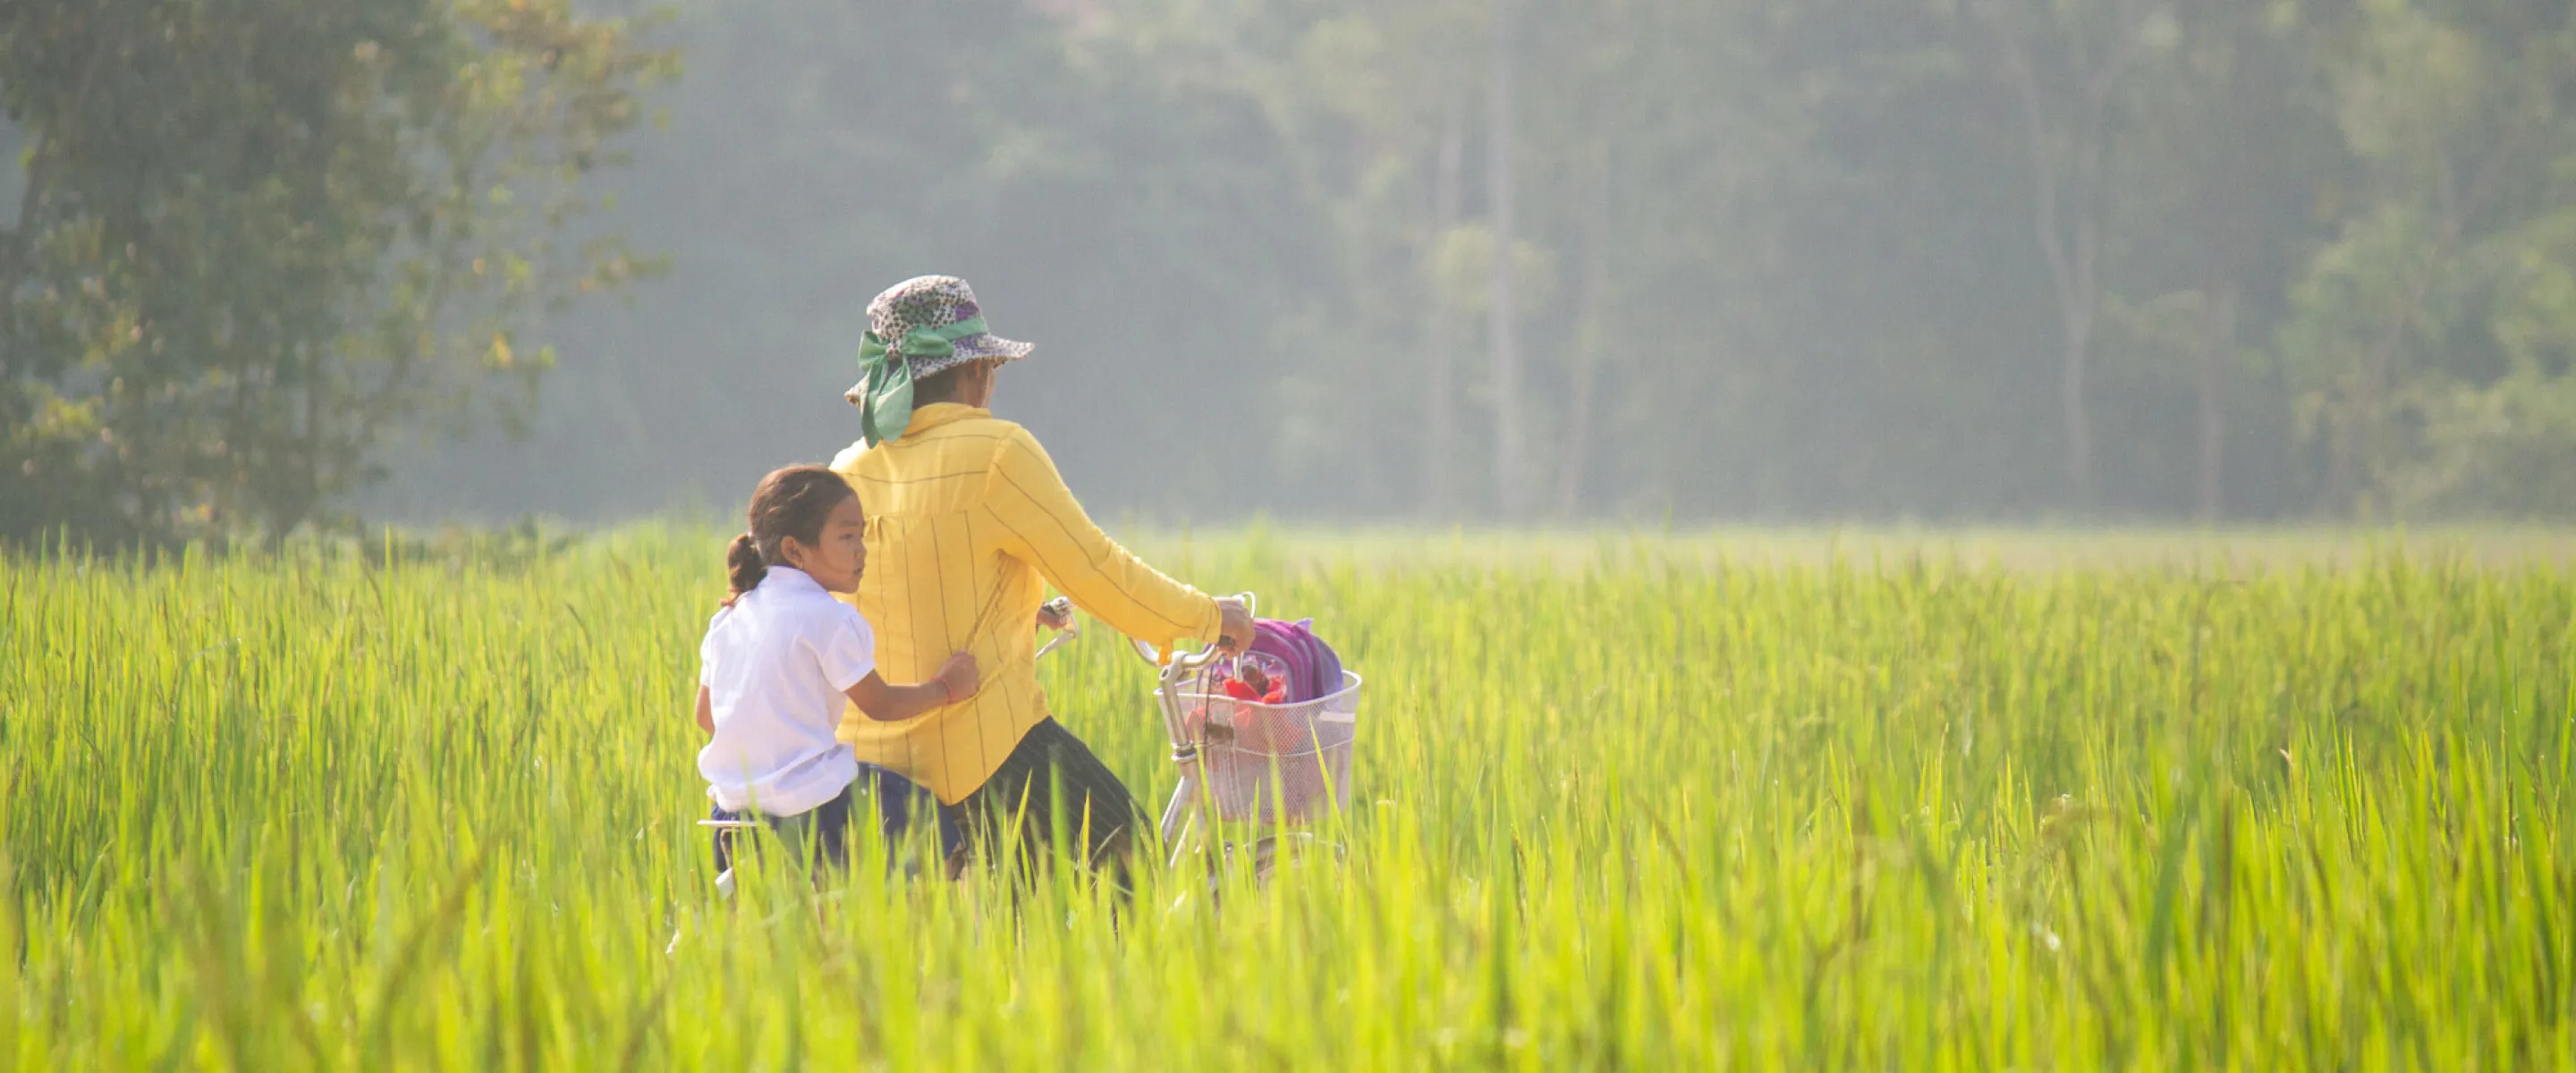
(1504, 327)
(2073, 366)
(2217, 353)
(1592, 334)
(1569, 481)
(2068, 172)
(1440, 432)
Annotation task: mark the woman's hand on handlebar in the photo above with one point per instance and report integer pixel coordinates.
(1234, 618)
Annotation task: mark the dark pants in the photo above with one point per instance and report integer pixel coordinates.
(1051, 786)
(822, 833)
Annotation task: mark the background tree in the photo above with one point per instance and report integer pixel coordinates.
(2228, 149)
(255, 240)
(2068, 63)
(2430, 342)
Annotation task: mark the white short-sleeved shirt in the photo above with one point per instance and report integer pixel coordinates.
(776, 665)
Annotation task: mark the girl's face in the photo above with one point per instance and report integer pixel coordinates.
(839, 554)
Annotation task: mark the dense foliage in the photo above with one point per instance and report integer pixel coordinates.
(1825, 258)
(1486, 259)
(253, 241)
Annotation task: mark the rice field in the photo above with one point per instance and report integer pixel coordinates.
(1622, 802)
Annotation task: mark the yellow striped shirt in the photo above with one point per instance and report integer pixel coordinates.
(968, 522)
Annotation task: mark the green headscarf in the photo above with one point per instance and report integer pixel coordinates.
(888, 409)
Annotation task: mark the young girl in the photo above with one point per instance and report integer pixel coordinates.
(783, 655)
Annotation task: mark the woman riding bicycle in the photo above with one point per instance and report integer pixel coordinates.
(968, 521)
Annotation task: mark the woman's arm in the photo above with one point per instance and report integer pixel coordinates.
(706, 710)
(1045, 527)
(886, 702)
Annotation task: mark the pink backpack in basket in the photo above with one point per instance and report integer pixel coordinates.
(1314, 671)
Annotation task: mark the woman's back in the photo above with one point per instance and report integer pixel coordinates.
(968, 521)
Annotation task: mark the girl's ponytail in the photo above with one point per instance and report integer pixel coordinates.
(744, 567)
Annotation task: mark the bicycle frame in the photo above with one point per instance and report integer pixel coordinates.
(1180, 819)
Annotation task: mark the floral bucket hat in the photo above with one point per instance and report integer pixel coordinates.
(916, 328)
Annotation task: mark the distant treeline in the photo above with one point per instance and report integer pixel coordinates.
(1438, 259)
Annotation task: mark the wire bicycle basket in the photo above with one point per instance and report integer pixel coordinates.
(1271, 765)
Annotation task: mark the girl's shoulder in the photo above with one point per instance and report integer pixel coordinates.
(846, 611)
(816, 609)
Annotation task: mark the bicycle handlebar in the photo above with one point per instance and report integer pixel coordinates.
(1174, 660)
